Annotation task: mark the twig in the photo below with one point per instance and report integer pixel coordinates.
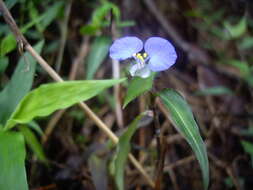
(10, 21)
(51, 124)
(79, 60)
(179, 163)
(116, 88)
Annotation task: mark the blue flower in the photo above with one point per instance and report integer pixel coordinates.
(159, 54)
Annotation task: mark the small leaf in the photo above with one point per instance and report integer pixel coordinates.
(137, 87)
(50, 14)
(98, 52)
(50, 97)
(246, 43)
(7, 45)
(12, 161)
(33, 142)
(19, 85)
(123, 148)
(89, 29)
(214, 91)
(184, 122)
(238, 29)
(248, 148)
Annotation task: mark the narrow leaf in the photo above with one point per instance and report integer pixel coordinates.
(51, 97)
(98, 169)
(12, 161)
(238, 29)
(98, 52)
(123, 148)
(137, 87)
(214, 91)
(33, 142)
(19, 85)
(184, 122)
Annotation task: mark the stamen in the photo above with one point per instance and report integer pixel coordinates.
(145, 55)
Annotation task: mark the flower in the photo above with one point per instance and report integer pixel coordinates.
(159, 54)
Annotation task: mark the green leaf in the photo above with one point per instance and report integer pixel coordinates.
(89, 29)
(33, 142)
(51, 14)
(12, 161)
(246, 43)
(7, 45)
(4, 61)
(123, 148)
(137, 87)
(238, 29)
(248, 147)
(100, 13)
(98, 53)
(184, 122)
(241, 65)
(214, 91)
(50, 97)
(19, 85)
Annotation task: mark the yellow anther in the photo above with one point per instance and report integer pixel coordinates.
(145, 55)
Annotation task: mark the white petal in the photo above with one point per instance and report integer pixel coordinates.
(143, 72)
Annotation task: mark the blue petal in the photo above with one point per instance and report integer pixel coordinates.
(125, 47)
(161, 52)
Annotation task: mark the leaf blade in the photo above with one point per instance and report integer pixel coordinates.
(12, 161)
(184, 122)
(123, 148)
(33, 142)
(19, 85)
(98, 52)
(48, 98)
(137, 87)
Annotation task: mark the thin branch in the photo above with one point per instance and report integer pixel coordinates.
(21, 39)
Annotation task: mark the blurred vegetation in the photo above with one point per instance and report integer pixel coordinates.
(67, 151)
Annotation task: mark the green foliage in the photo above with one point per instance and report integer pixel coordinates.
(246, 70)
(182, 117)
(12, 161)
(248, 148)
(8, 43)
(238, 29)
(48, 16)
(214, 91)
(4, 61)
(137, 87)
(123, 148)
(99, 18)
(98, 52)
(51, 97)
(19, 85)
(33, 142)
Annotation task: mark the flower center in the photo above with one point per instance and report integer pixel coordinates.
(140, 59)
